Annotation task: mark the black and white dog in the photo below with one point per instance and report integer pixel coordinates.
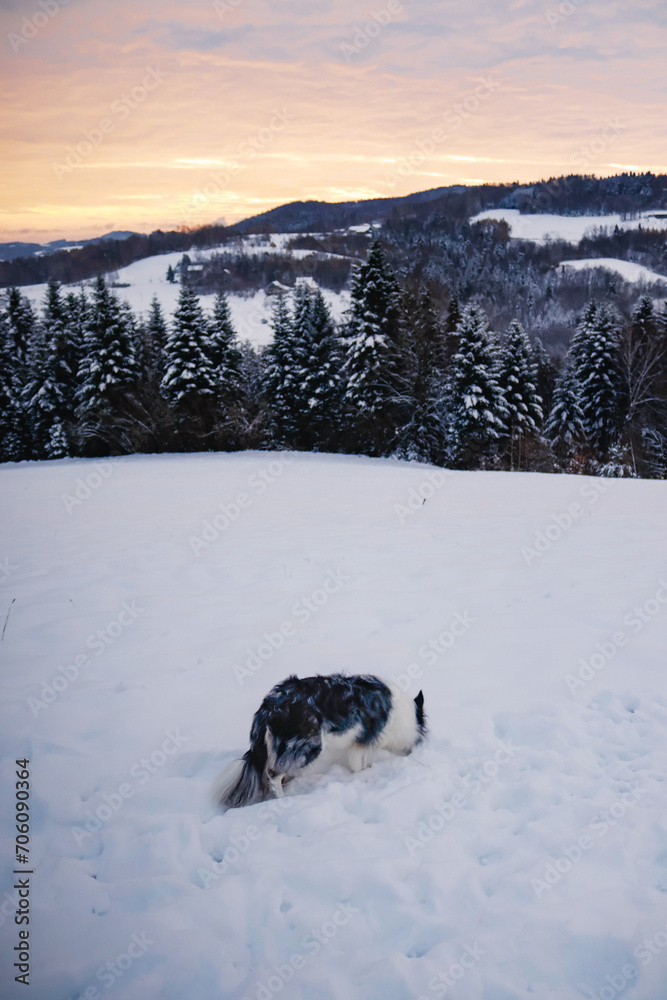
(301, 717)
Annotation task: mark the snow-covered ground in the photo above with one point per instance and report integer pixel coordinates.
(636, 274)
(571, 228)
(251, 314)
(153, 601)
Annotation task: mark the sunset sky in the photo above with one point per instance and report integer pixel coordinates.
(133, 114)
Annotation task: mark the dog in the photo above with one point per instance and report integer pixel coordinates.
(302, 716)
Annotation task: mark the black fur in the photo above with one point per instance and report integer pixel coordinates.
(286, 731)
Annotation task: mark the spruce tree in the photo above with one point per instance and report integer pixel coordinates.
(595, 352)
(22, 324)
(12, 420)
(376, 395)
(476, 405)
(107, 374)
(280, 375)
(518, 381)
(155, 341)
(224, 354)
(189, 378)
(423, 437)
(565, 425)
(318, 355)
(51, 387)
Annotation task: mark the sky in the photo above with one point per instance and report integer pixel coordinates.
(138, 115)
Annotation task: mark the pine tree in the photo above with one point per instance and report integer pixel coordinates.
(12, 430)
(318, 353)
(22, 324)
(476, 405)
(565, 426)
(154, 341)
(375, 395)
(595, 352)
(51, 387)
(189, 382)
(518, 381)
(224, 354)
(107, 374)
(423, 437)
(280, 375)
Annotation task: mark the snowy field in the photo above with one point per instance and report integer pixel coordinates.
(571, 228)
(635, 274)
(251, 314)
(520, 855)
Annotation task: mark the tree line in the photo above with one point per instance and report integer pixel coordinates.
(398, 377)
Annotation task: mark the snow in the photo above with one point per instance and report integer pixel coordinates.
(483, 867)
(571, 228)
(148, 277)
(628, 270)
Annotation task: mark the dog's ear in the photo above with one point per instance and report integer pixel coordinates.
(419, 700)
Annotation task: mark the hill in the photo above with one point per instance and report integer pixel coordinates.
(520, 853)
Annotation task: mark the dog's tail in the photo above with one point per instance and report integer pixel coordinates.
(239, 784)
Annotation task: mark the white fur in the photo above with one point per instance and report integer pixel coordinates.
(401, 732)
(226, 780)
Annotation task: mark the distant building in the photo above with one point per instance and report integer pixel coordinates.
(277, 288)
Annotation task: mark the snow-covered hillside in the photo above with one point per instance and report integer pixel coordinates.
(571, 228)
(520, 855)
(251, 314)
(636, 274)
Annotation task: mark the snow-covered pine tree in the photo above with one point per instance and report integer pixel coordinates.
(595, 352)
(22, 324)
(318, 355)
(224, 353)
(423, 437)
(377, 392)
(189, 382)
(107, 374)
(50, 394)
(565, 425)
(518, 381)
(154, 341)
(12, 420)
(475, 403)
(280, 379)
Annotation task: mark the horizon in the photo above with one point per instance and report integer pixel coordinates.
(137, 118)
(162, 228)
